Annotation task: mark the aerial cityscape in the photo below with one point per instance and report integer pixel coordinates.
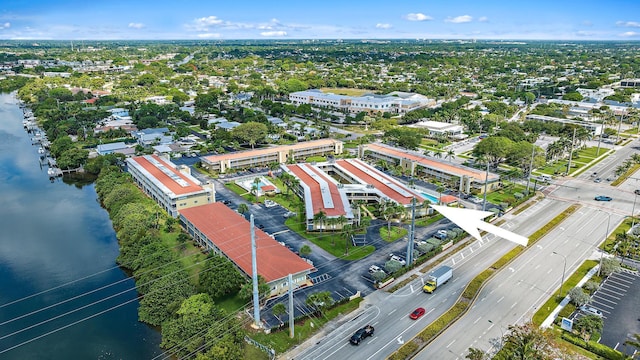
(327, 181)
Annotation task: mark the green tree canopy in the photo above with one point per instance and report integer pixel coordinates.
(250, 133)
(219, 277)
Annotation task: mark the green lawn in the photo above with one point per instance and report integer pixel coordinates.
(396, 233)
(506, 194)
(584, 157)
(189, 255)
(332, 242)
(621, 229)
(426, 221)
(231, 304)
(316, 159)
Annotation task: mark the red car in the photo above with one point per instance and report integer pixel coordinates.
(417, 313)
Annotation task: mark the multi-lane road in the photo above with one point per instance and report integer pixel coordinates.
(389, 313)
(513, 295)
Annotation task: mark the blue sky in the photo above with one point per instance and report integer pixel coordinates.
(320, 19)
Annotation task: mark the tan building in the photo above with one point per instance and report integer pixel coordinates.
(281, 155)
(172, 187)
(466, 178)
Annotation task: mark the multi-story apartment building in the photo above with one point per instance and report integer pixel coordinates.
(279, 155)
(225, 232)
(396, 103)
(171, 187)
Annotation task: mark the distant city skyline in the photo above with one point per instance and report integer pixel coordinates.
(330, 19)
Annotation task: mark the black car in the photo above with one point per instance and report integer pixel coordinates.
(361, 334)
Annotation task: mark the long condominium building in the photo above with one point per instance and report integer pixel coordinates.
(278, 154)
(225, 232)
(397, 103)
(416, 164)
(330, 187)
(172, 187)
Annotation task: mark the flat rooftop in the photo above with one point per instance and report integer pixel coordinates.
(165, 175)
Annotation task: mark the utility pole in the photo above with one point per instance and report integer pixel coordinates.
(291, 317)
(254, 271)
(486, 183)
(573, 140)
(412, 232)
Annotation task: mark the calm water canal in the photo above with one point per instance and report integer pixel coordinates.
(52, 234)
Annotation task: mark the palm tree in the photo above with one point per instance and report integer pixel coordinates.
(347, 233)
(319, 218)
(440, 189)
(243, 208)
(451, 154)
(437, 153)
(332, 221)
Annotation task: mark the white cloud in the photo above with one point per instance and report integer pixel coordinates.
(483, 19)
(383, 26)
(136, 25)
(273, 33)
(209, 35)
(628, 23)
(203, 23)
(459, 19)
(5, 25)
(629, 34)
(418, 17)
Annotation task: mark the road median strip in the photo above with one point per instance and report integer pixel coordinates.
(471, 292)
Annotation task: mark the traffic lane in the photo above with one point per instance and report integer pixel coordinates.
(487, 252)
(394, 326)
(338, 338)
(513, 293)
(624, 319)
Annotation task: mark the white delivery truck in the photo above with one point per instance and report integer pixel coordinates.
(438, 277)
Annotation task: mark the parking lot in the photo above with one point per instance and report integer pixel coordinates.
(620, 308)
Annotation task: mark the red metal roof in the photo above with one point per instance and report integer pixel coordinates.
(379, 181)
(316, 194)
(165, 179)
(230, 232)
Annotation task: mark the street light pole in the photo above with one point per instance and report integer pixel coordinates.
(564, 269)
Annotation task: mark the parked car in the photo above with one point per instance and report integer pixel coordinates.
(597, 180)
(441, 234)
(636, 191)
(398, 259)
(374, 269)
(589, 310)
(603, 198)
(361, 334)
(417, 313)
(288, 214)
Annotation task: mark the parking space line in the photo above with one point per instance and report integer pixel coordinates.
(603, 299)
(600, 305)
(605, 292)
(623, 289)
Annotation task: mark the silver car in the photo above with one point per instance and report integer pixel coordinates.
(591, 311)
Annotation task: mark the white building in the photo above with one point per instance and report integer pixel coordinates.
(397, 102)
(438, 128)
